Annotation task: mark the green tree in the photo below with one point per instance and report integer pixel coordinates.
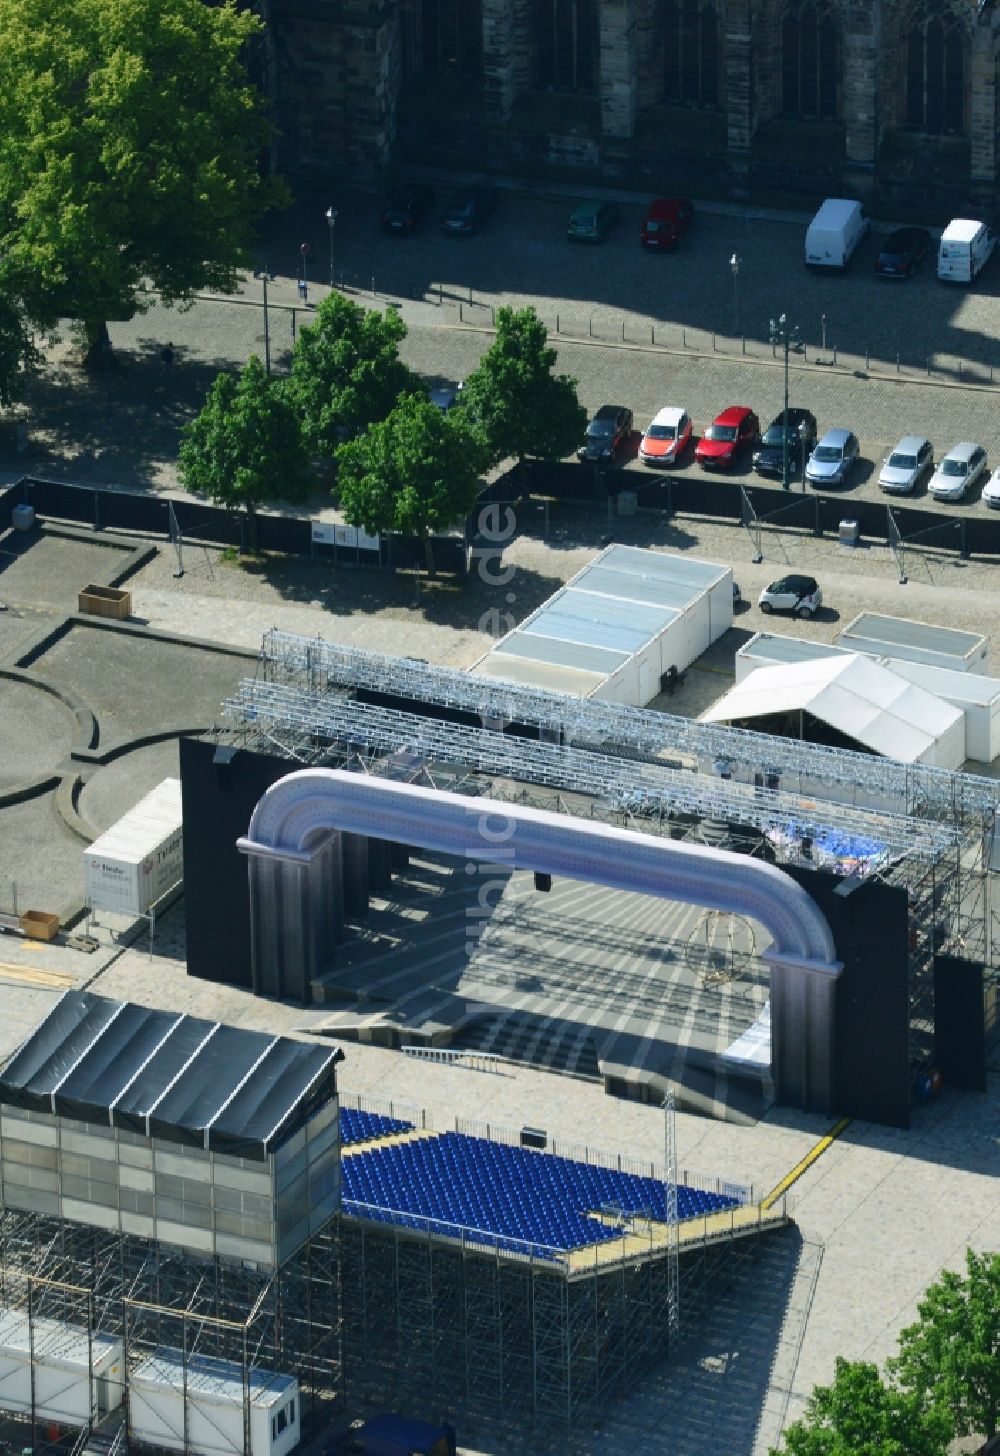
(417, 471)
(346, 371)
(860, 1415)
(18, 354)
(516, 401)
(952, 1354)
(245, 447)
(129, 137)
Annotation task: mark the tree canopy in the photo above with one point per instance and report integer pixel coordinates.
(514, 398)
(860, 1415)
(245, 446)
(129, 136)
(17, 349)
(346, 371)
(952, 1354)
(414, 472)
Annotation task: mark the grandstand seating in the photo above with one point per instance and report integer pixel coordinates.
(508, 1195)
(365, 1127)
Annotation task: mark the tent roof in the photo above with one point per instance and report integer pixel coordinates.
(166, 1075)
(852, 694)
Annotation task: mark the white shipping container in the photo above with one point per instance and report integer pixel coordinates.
(898, 637)
(978, 697)
(135, 862)
(767, 649)
(75, 1381)
(214, 1424)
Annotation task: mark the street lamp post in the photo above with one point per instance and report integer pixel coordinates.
(735, 264)
(788, 338)
(331, 218)
(265, 277)
(304, 280)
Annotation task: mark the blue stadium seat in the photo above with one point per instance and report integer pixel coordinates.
(510, 1196)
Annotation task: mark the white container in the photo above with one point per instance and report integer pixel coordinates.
(977, 696)
(850, 532)
(75, 1381)
(835, 232)
(965, 248)
(214, 1424)
(898, 637)
(768, 649)
(135, 862)
(22, 517)
(613, 630)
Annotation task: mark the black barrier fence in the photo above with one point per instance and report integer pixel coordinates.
(121, 510)
(703, 495)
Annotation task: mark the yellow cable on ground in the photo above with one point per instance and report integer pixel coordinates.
(804, 1163)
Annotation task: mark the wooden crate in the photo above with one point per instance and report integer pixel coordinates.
(106, 601)
(40, 925)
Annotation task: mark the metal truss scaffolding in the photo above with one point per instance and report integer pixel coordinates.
(317, 702)
(503, 1338)
(152, 1297)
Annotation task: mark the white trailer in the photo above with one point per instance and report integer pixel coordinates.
(135, 862)
(978, 697)
(898, 637)
(615, 631)
(213, 1422)
(767, 649)
(53, 1370)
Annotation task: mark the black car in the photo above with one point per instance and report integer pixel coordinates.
(467, 210)
(610, 428)
(902, 251)
(769, 457)
(407, 207)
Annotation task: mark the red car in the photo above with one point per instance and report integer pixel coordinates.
(666, 222)
(729, 435)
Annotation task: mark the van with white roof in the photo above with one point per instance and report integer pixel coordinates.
(966, 247)
(835, 233)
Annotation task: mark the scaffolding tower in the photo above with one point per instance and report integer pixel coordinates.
(153, 1297)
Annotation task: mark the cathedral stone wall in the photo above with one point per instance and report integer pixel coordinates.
(791, 96)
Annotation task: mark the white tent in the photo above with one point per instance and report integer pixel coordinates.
(858, 698)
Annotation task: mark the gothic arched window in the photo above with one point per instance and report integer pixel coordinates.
(934, 46)
(452, 37)
(566, 44)
(690, 30)
(810, 63)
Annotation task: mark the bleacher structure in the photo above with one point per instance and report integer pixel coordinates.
(196, 1195)
(515, 1285)
(928, 830)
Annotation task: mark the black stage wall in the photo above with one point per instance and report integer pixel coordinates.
(871, 1049)
(217, 801)
(960, 1022)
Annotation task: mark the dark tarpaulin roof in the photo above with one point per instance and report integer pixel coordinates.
(167, 1075)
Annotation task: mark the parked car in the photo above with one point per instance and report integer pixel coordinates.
(800, 427)
(903, 470)
(407, 206)
(609, 429)
(737, 429)
(467, 210)
(667, 437)
(902, 251)
(957, 471)
(591, 222)
(991, 491)
(666, 222)
(445, 396)
(830, 463)
(798, 594)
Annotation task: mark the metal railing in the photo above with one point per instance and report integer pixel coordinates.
(454, 1057)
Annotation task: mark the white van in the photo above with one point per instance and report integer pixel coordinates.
(835, 232)
(965, 249)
